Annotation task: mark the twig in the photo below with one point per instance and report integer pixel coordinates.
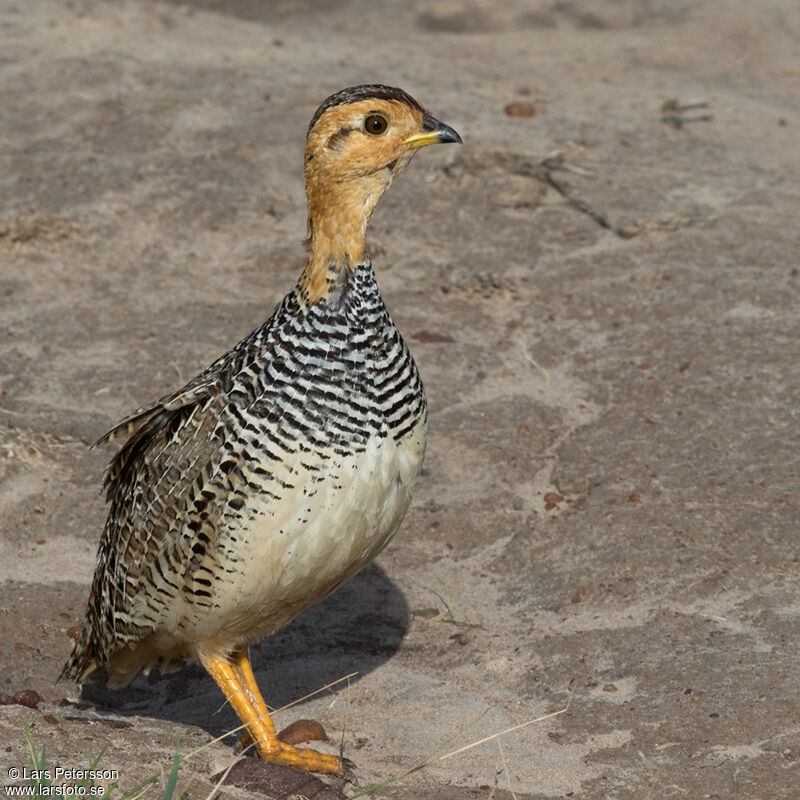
(672, 111)
(451, 617)
(576, 202)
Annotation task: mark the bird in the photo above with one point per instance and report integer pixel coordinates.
(282, 469)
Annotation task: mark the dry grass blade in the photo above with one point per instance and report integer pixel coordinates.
(421, 763)
(511, 730)
(276, 711)
(451, 617)
(315, 692)
(347, 720)
(431, 757)
(218, 785)
(505, 767)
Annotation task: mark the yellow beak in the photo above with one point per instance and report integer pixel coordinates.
(433, 132)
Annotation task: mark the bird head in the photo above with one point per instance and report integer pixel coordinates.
(358, 140)
(366, 134)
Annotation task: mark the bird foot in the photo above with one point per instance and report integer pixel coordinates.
(235, 678)
(282, 750)
(277, 752)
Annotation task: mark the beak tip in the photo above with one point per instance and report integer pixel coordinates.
(448, 135)
(444, 133)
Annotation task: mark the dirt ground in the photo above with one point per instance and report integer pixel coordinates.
(602, 296)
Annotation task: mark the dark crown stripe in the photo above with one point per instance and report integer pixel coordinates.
(367, 91)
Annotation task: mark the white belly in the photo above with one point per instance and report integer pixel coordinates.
(321, 532)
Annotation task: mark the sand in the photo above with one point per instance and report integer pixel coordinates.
(602, 295)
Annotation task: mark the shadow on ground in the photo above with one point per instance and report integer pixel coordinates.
(355, 630)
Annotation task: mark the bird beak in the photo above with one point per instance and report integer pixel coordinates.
(433, 132)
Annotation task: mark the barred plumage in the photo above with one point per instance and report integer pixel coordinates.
(305, 387)
(282, 469)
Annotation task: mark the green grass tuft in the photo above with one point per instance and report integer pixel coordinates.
(40, 785)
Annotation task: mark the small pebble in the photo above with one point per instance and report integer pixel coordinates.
(303, 730)
(27, 697)
(520, 109)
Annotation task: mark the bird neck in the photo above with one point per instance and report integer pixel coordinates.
(338, 216)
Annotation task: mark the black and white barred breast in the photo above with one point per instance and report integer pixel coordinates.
(336, 373)
(288, 463)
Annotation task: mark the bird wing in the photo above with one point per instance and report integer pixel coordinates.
(143, 426)
(156, 485)
(188, 395)
(167, 485)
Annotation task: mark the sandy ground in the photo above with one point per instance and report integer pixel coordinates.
(610, 499)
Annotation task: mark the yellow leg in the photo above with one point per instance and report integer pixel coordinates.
(234, 680)
(241, 665)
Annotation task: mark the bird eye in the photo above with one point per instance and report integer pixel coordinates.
(375, 124)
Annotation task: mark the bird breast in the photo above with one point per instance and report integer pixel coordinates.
(297, 549)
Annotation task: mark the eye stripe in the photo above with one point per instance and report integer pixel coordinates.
(337, 139)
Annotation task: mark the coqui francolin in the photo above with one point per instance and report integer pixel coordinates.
(282, 469)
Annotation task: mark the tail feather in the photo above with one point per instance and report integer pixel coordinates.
(82, 662)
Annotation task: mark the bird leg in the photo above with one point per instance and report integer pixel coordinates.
(239, 686)
(241, 665)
